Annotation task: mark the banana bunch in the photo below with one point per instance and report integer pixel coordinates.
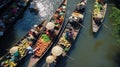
(22, 48)
(12, 64)
(64, 42)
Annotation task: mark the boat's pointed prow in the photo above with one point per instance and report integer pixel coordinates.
(99, 12)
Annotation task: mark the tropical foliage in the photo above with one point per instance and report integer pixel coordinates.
(115, 16)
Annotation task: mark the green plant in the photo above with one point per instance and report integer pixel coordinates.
(115, 16)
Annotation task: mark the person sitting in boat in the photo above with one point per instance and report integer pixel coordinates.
(30, 37)
(59, 20)
(30, 50)
(60, 11)
(55, 16)
(51, 33)
(69, 35)
(71, 19)
(81, 7)
(63, 8)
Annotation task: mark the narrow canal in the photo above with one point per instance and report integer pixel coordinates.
(88, 51)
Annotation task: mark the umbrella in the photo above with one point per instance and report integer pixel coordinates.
(50, 59)
(13, 49)
(50, 25)
(57, 51)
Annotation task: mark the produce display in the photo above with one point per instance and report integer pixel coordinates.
(15, 55)
(63, 41)
(42, 44)
(97, 8)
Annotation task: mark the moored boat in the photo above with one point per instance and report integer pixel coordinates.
(22, 47)
(51, 33)
(68, 35)
(12, 14)
(98, 14)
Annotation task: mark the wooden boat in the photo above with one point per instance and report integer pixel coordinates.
(98, 15)
(68, 35)
(12, 14)
(21, 48)
(47, 39)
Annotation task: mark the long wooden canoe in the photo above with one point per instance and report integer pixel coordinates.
(48, 38)
(11, 59)
(98, 15)
(69, 34)
(12, 14)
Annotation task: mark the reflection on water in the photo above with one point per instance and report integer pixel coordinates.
(88, 51)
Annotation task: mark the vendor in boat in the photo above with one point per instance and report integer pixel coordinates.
(81, 7)
(33, 33)
(69, 34)
(30, 50)
(51, 33)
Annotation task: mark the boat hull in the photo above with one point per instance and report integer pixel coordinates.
(69, 33)
(27, 41)
(53, 38)
(98, 22)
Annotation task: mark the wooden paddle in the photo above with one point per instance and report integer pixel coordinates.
(83, 26)
(69, 57)
(64, 54)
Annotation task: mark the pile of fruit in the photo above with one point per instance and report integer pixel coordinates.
(22, 48)
(63, 41)
(42, 44)
(97, 9)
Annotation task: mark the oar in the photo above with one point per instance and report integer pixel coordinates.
(69, 57)
(45, 65)
(83, 26)
(106, 26)
(64, 54)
